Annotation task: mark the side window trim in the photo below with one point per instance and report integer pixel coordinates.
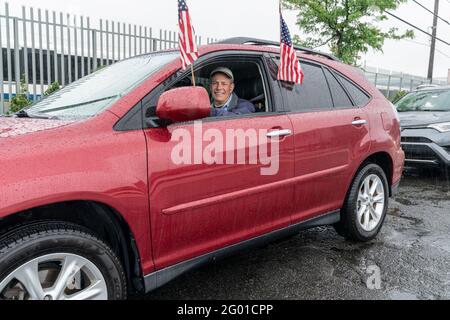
(329, 87)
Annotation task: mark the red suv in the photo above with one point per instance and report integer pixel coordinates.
(98, 197)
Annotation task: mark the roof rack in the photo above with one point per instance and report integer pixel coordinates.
(260, 42)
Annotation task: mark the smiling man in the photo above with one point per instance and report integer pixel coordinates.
(225, 101)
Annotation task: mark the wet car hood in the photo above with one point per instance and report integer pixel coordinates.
(11, 127)
(423, 118)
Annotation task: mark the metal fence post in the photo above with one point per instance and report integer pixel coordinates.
(63, 58)
(16, 54)
(89, 45)
(389, 86)
(101, 43)
(113, 42)
(75, 40)
(401, 81)
(107, 42)
(2, 97)
(129, 40)
(94, 49)
(47, 30)
(33, 54)
(69, 51)
(135, 40)
(118, 41)
(41, 55)
(8, 52)
(25, 46)
(55, 49)
(82, 46)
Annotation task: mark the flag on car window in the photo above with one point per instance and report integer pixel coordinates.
(188, 47)
(290, 69)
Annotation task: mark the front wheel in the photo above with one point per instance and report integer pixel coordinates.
(58, 261)
(365, 207)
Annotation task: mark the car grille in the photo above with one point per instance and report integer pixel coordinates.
(419, 152)
(416, 140)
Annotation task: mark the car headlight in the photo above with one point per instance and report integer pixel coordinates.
(441, 127)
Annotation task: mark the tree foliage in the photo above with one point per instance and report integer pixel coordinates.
(52, 88)
(348, 27)
(20, 100)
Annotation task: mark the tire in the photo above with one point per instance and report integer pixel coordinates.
(363, 227)
(58, 261)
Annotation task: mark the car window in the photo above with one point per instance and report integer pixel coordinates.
(97, 91)
(340, 97)
(248, 80)
(313, 95)
(426, 100)
(359, 97)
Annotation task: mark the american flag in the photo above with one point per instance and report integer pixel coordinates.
(290, 69)
(188, 47)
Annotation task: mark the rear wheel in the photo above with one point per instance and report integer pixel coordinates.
(58, 261)
(365, 207)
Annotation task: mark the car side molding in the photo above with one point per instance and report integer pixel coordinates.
(159, 278)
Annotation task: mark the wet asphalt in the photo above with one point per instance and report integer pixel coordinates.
(411, 255)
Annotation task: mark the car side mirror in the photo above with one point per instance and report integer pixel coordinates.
(184, 104)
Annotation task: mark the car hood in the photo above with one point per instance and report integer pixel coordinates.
(423, 118)
(11, 127)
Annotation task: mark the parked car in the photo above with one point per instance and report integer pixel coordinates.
(93, 205)
(425, 122)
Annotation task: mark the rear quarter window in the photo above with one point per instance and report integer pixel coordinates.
(340, 97)
(359, 97)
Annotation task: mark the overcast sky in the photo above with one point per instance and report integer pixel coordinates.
(259, 18)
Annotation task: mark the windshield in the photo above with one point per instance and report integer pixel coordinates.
(431, 100)
(97, 91)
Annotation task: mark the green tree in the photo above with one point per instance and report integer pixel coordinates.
(20, 100)
(52, 88)
(348, 27)
(400, 94)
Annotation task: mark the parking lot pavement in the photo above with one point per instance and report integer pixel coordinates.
(411, 255)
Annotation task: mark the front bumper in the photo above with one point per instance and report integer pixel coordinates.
(425, 154)
(421, 149)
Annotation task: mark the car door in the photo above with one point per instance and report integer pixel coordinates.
(329, 134)
(199, 207)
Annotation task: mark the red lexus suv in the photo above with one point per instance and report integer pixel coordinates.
(122, 181)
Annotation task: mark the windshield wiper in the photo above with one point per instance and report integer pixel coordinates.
(78, 104)
(26, 114)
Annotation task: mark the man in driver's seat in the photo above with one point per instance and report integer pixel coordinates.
(225, 101)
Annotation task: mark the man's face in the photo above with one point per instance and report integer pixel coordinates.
(221, 88)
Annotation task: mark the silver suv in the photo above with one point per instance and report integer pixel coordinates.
(425, 120)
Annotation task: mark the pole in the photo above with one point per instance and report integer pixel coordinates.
(433, 41)
(193, 76)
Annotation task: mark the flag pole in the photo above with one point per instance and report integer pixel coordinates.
(279, 10)
(193, 75)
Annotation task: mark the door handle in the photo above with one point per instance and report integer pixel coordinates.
(359, 122)
(279, 133)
